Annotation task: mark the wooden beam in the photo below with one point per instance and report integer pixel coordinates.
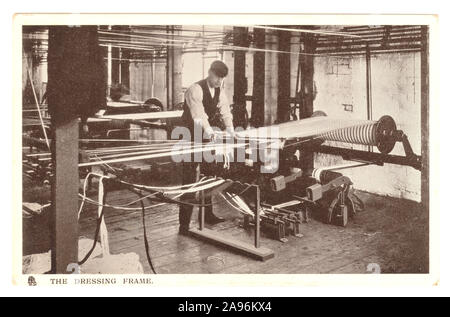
(125, 68)
(240, 35)
(369, 83)
(64, 122)
(284, 77)
(65, 195)
(115, 65)
(124, 77)
(177, 69)
(211, 236)
(259, 61)
(307, 94)
(73, 57)
(109, 66)
(169, 70)
(271, 79)
(369, 87)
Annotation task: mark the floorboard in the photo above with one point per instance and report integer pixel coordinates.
(391, 233)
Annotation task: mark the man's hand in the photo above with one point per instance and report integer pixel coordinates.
(230, 133)
(211, 135)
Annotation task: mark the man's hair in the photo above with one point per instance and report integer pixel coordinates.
(219, 68)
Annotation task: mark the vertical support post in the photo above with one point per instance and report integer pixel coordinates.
(259, 61)
(231, 243)
(125, 68)
(120, 66)
(424, 89)
(297, 81)
(257, 216)
(307, 93)
(369, 87)
(65, 182)
(125, 61)
(368, 83)
(65, 48)
(201, 210)
(284, 76)
(271, 80)
(153, 68)
(169, 69)
(109, 80)
(115, 63)
(38, 108)
(65, 195)
(240, 35)
(203, 52)
(177, 71)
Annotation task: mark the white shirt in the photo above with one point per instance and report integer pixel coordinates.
(212, 91)
(194, 100)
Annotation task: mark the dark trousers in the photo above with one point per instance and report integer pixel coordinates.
(190, 176)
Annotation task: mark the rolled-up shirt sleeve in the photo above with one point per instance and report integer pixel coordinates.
(194, 100)
(225, 112)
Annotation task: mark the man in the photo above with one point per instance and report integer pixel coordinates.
(206, 105)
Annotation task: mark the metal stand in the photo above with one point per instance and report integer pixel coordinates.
(254, 251)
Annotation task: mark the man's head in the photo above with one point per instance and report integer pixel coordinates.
(217, 72)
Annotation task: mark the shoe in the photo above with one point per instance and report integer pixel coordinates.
(184, 231)
(211, 219)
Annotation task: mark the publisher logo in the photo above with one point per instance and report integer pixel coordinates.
(31, 281)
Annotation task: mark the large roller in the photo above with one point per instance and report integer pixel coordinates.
(379, 133)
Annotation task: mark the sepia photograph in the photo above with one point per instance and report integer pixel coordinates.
(230, 148)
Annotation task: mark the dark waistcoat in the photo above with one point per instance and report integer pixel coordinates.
(209, 104)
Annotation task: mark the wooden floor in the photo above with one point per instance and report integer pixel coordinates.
(392, 233)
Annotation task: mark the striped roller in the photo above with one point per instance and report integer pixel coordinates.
(364, 133)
